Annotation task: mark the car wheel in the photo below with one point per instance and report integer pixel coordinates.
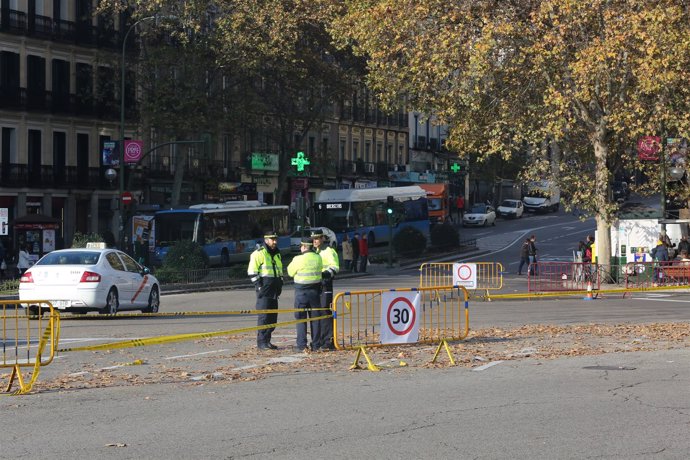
(111, 303)
(154, 301)
(32, 311)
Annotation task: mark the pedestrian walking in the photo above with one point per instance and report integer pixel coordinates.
(265, 271)
(306, 270)
(533, 256)
(684, 245)
(347, 253)
(460, 206)
(3, 264)
(331, 266)
(524, 255)
(660, 255)
(363, 253)
(355, 253)
(23, 260)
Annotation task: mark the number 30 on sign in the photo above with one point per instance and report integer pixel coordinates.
(399, 317)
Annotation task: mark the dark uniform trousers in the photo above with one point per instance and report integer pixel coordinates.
(307, 296)
(326, 324)
(263, 336)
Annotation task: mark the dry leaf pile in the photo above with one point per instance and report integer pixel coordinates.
(538, 342)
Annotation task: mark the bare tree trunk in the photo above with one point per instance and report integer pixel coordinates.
(180, 164)
(601, 184)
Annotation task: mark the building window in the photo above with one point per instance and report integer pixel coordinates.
(342, 149)
(83, 158)
(35, 81)
(59, 155)
(34, 153)
(9, 152)
(84, 88)
(355, 150)
(60, 85)
(367, 151)
(379, 152)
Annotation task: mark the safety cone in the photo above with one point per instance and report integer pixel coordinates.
(589, 291)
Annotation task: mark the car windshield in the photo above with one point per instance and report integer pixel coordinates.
(70, 258)
(478, 209)
(509, 204)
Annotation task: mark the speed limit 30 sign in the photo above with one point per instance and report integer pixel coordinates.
(399, 317)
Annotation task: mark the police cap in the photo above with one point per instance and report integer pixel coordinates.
(306, 241)
(270, 234)
(317, 233)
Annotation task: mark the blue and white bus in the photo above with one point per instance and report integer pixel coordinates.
(228, 232)
(364, 211)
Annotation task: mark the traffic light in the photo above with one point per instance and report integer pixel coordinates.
(389, 205)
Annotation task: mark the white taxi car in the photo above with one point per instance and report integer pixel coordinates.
(81, 280)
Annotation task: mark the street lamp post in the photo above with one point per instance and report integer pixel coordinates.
(121, 148)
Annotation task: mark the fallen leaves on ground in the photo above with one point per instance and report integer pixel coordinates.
(537, 342)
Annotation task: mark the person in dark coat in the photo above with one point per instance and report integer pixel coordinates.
(524, 255)
(355, 253)
(265, 271)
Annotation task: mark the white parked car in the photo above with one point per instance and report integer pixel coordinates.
(296, 237)
(510, 208)
(480, 214)
(79, 280)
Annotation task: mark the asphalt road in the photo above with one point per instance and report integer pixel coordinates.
(213, 398)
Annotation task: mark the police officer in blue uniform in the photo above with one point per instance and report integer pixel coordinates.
(265, 270)
(306, 270)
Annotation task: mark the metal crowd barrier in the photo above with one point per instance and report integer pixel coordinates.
(489, 275)
(643, 275)
(27, 341)
(563, 276)
(444, 316)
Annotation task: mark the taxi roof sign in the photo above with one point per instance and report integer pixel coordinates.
(95, 245)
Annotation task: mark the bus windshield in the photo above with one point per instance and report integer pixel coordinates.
(171, 228)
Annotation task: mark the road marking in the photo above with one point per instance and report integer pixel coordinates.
(486, 366)
(661, 300)
(197, 354)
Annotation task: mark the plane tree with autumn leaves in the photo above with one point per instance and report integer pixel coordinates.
(573, 83)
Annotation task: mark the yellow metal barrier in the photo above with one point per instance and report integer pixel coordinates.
(475, 276)
(27, 341)
(443, 315)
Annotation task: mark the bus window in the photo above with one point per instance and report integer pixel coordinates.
(179, 227)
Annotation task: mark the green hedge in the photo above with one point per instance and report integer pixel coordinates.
(409, 242)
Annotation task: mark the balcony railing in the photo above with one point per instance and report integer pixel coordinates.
(82, 33)
(69, 104)
(21, 175)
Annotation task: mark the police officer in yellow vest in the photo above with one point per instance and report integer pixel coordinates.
(266, 273)
(306, 271)
(331, 266)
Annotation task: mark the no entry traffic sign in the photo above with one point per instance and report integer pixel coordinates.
(465, 275)
(127, 198)
(399, 317)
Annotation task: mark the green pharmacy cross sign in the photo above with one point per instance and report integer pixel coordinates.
(455, 167)
(300, 161)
